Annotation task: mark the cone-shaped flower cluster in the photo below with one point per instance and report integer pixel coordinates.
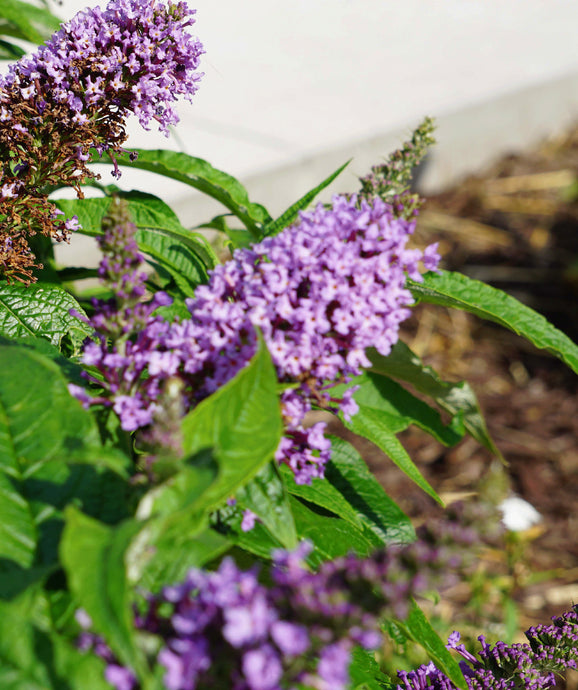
(118, 321)
(75, 94)
(322, 291)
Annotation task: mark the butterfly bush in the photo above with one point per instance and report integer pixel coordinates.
(550, 649)
(74, 94)
(229, 628)
(322, 292)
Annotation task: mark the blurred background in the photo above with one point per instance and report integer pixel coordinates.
(293, 90)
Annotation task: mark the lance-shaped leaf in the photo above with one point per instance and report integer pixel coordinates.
(41, 310)
(173, 258)
(351, 491)
(364, 672)
(456, 398)
(417, 628)
(349, 474)
(10, 51)
(201, 175)
(330, 535)
(290, 215)
(460, 292)
(321, 492)
(146, 211)
(239, 237)
(241, 423)
(376, 426)
(402, 408)
(23, 20)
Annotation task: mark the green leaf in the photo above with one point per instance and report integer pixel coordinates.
(199, 174)
(292, 213)
(26, 21)
(460, 292)
(373, 424)
(174, 257)
(173, 312)
(257, 541)
(93, 556)
(39, 422)
(241, 422)
(44, 432)
(147, 212)
(34, 659)
(10, 51)
(266, 496)
(365, 673)
(156, 559)
(322, 493)
(330, 535)
(351, 491)
(169, 543)
(403, 408)
(72, 273)
(240, 237)
(71, 371)
(349, 474)
(456, 398)
(180, 492)
(417, 628)
(41, 310)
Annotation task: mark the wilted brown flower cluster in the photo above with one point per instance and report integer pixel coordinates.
(72, 97)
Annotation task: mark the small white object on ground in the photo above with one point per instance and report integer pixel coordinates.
(518, 515)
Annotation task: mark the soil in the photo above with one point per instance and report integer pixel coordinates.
(515, 227)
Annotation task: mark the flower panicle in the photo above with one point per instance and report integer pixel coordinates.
(550, 649)
(391, 180)
(73, 96)
(322, 292)
(120, 320)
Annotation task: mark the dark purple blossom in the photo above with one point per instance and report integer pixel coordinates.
(530, 666)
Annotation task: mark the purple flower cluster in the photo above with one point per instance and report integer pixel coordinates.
(133, 57)
(74, 94)
(225, 629)
(322, 291)
(555, 646)
(550, 649)
(117, 322)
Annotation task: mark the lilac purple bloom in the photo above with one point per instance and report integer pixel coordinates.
(135, 56)
(322, 292)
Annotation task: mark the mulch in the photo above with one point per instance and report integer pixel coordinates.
(515, 226)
